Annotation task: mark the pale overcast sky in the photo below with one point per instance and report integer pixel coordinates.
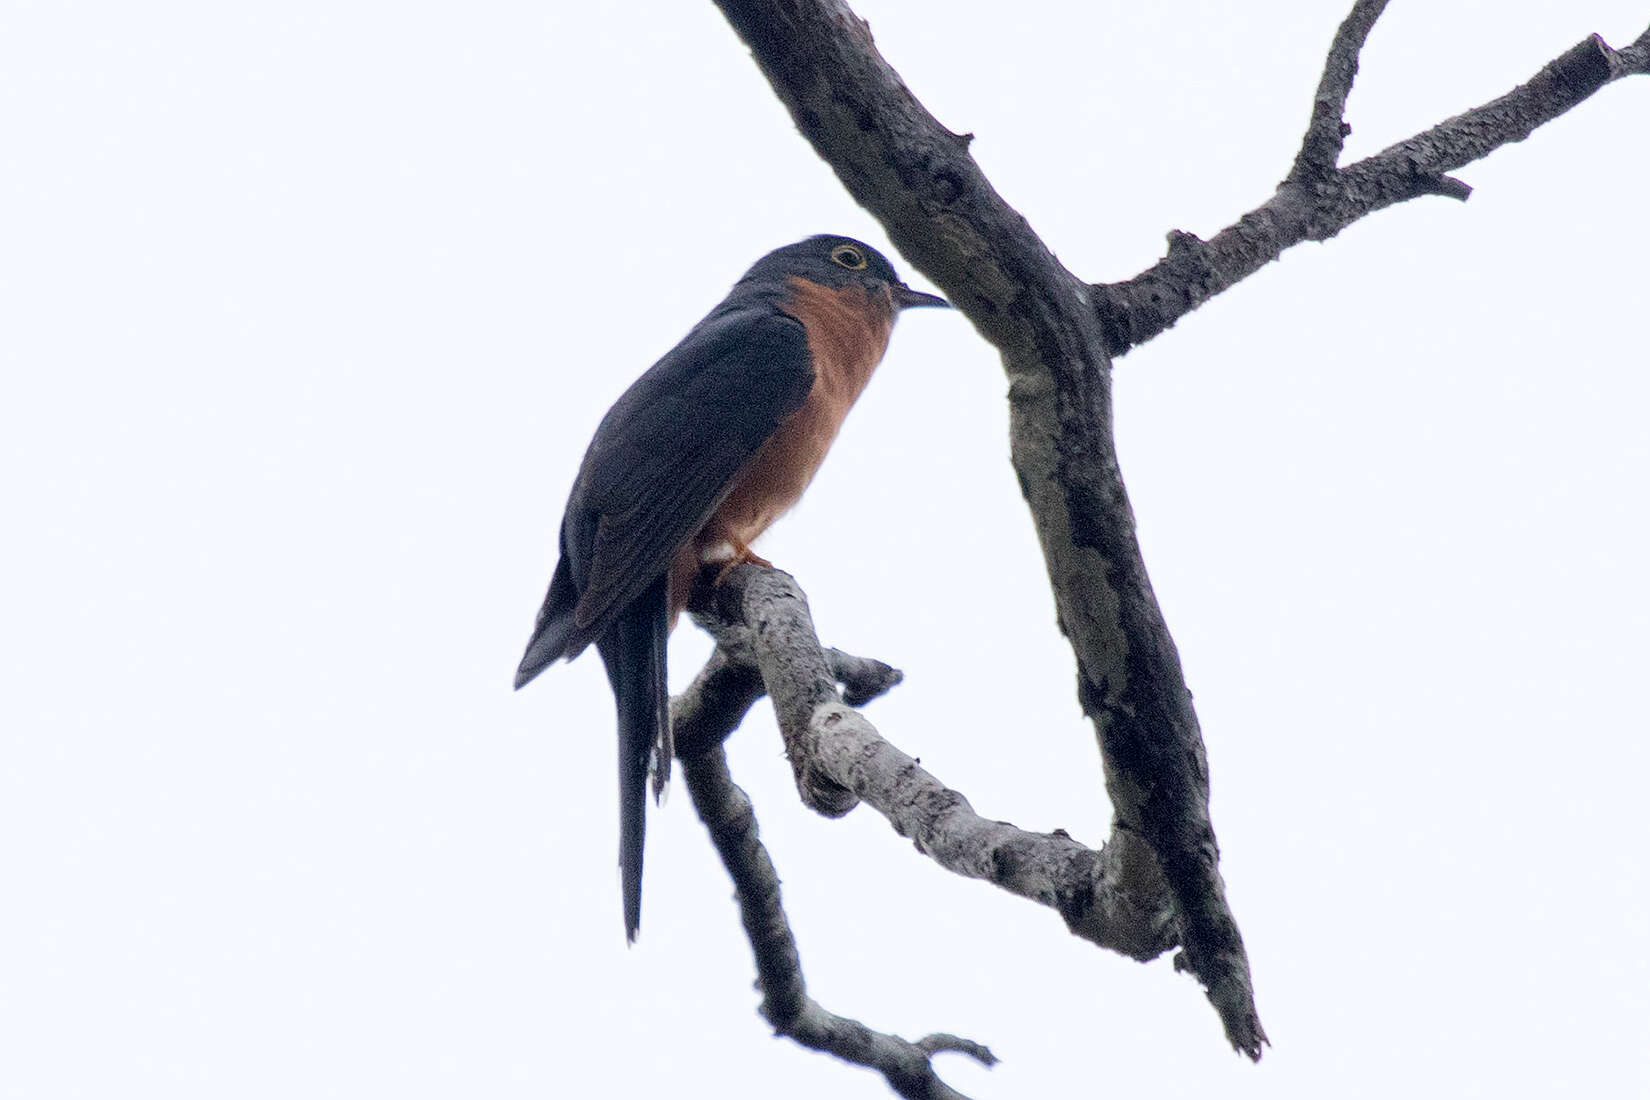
(308, 312)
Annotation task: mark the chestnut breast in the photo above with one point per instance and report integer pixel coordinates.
(848, 331)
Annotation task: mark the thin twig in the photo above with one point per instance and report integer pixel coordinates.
(728, 816)
(1317, 202)
(1631, 59)
(1326, 132)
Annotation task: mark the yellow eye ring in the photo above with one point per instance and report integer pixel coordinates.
(846, 255)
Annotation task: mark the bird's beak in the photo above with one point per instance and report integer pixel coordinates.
(906, 298)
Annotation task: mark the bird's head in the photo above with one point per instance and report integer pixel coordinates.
(838, 262)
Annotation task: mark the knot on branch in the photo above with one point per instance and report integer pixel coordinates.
(1580, 71)
(1182, 244)
(1631, 59)
(1134, 311)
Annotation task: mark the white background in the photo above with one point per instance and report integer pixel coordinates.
(307, 311)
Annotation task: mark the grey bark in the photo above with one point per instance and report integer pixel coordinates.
(917, 178)
(1156, 882)
(1319, 199)
(761, 623)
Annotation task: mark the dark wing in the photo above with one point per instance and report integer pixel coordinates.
(666, 454)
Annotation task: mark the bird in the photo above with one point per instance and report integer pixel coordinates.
(694, 461)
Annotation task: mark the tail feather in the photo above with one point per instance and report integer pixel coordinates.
(553, 631)
(633, 649)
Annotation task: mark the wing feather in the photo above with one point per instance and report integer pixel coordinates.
(666, 455)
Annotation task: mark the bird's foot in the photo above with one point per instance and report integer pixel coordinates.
(742, 555)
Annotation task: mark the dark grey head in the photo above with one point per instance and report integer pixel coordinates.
(836, 261)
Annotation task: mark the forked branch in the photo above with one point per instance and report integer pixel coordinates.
(1326, 132)
(1319, 198)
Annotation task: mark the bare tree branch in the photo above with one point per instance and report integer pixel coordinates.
(728, 686)
(1318, 200)
(764, 617)
(862, 678)
(918, 180)
(728, 816)
(715, 703)
(1633, 59)
(1326, 133)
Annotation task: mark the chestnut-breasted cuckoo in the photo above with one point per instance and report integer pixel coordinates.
(712, 444)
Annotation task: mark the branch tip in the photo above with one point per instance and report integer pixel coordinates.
(1450, 187)
(953, 1044)
(1327, 130)
(862, 678)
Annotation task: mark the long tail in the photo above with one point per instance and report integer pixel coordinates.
(633, 649)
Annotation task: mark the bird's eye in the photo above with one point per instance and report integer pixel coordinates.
(848, 256)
